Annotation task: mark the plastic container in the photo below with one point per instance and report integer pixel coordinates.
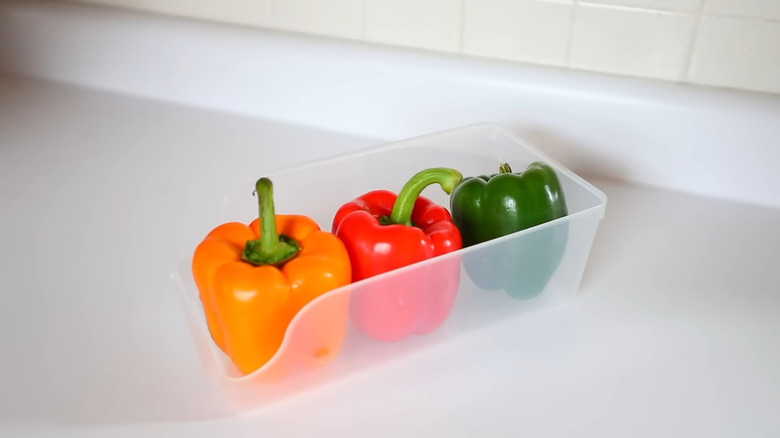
(321, 344)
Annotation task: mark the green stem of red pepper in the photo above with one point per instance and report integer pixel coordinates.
(271, 248)
(404, 205)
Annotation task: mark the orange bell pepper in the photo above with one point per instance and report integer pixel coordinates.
(253, 281)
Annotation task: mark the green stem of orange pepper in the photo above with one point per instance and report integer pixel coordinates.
(271, 248)
(402, 209)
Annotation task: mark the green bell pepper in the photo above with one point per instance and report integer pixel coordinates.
(488, 207)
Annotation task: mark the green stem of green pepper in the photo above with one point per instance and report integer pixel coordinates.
(402, 210)
(271, 248)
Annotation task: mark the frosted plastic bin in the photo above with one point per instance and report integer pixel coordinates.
(317, 351)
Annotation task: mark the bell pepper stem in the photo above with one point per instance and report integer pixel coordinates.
(271, 248)
(404, 205)
(504, 168)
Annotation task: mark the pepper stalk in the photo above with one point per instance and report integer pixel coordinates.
(271, 248)
(447, 178)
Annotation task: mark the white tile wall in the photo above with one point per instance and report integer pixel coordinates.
(727, 43)
(668, 5)
(634, 42)
(340, 18)
(429, 24)
(523, 30)
(247, 12)
(745, 8)
(737, 52)
(253, 12)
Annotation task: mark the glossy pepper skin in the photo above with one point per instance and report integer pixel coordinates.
(383, 231)
(488, 207)
(253, 281)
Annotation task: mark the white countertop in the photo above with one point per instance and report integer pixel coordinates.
(674, 332)
(676, 318)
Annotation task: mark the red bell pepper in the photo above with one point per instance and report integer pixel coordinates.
(383, 232)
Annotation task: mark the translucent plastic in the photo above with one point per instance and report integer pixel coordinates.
(339, 334)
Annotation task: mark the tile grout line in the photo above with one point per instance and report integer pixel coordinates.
(362, 20)
(659, 9)
(269, 7)
(742, 17)
(685, 71)
(574, 8)
(462, 36)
